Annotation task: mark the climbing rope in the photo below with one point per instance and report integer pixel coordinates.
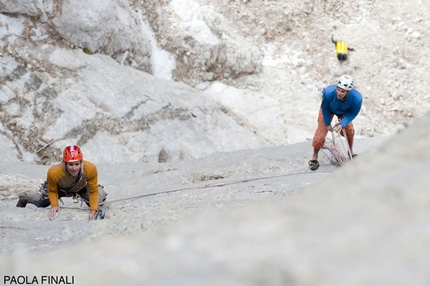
(215, 185)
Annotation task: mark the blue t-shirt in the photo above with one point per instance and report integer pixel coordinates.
(349, 108)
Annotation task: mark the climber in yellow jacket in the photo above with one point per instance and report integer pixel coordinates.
(72, 178)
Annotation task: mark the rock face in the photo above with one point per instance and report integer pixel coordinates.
(65, 88)
(136, 115)
(257, 68)
(243, 222)
(140, 83)
(103, 26)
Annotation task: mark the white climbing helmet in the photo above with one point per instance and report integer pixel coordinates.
(345, 82)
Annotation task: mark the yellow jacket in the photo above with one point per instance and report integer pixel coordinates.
(60, 180)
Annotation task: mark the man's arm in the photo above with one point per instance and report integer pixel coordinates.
(354, 110)
(53, 176)
(92, 215)
(91, 173)
(52, 180)
(325, 107)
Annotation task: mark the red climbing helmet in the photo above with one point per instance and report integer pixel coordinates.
(72, 154)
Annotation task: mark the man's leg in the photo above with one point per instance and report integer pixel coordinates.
(35, 198)
(319, 136)
(315, 155)
(350, 136)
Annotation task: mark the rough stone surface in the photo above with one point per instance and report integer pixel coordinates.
(195, 105)
(262, 62)
(254, 217)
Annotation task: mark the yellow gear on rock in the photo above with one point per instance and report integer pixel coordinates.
(341, 49)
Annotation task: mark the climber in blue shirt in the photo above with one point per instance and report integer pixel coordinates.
(344, 101)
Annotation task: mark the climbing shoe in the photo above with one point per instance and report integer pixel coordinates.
(21, 204)
(313, 164)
